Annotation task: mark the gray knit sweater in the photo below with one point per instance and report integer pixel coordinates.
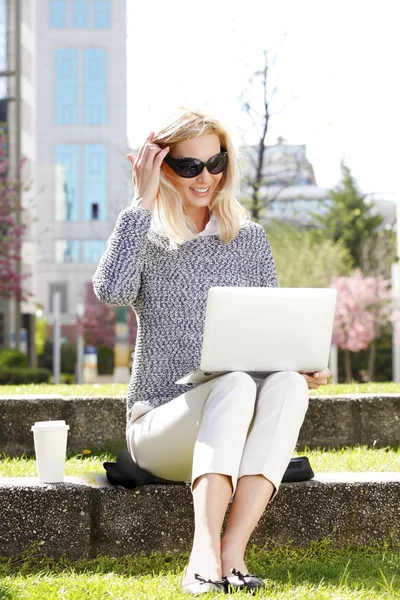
(167, 289)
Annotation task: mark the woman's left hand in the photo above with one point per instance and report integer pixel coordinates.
(314, 380)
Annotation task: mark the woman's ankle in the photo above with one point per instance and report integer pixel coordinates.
(205, 561)
(232, 562)
(232, 557)
(203, 568)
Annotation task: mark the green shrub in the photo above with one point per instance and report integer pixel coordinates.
(105, 360)
(12, 358)
(68, 357)
(45, 360)
(20, 376)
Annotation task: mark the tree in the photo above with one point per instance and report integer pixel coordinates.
(255, 178)
(378, 253)
(99, 321)
(302, 260)
(363, 310)
(11, 233)
(348, 217)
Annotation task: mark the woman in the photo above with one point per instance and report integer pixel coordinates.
(233, 436)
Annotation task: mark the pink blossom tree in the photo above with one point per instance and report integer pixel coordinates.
(11, 282)
(99, 321)
(363, 310)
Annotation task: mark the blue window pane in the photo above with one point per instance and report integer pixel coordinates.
(95, 182)
(93, 250)
(57, 13)
(66, 87)
(67, 251)
(66, 182)
(101, 14)
(94, 86)
(79, 14)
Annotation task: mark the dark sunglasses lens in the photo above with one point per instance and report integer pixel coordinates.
(218, 163)
(187, 168)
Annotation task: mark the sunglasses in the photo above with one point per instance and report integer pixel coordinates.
(192, 167)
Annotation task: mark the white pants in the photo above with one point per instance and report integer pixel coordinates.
(223, 426)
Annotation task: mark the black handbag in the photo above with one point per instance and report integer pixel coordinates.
(126, 472)
(299, 469)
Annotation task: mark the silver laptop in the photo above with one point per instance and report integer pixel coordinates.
(260, 330)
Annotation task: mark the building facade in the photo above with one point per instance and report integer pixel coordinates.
(17, 117)
(288, 189)
(81, 143)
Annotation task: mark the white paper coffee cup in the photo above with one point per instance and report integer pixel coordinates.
(50, 439)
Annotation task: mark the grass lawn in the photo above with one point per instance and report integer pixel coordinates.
(359, 458)
(120, 390)
(316, 572)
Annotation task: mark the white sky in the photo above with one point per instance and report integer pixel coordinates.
(337, 75)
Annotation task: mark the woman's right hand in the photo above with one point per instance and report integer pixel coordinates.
(146, 171)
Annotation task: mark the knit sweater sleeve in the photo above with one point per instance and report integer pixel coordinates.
(265, 260)
(118, 274)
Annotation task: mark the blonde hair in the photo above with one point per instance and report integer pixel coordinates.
(184, 124)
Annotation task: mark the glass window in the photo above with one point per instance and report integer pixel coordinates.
(57, 13)
(66, 87)
(101, 14)
(93, 250)
(94, 86)
(95, 182)
(79, 14)
(67, 251)
(66, 182)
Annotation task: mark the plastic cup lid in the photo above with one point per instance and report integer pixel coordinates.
(49, 425)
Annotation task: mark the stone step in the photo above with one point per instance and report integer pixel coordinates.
(99, 423)
(87, 517)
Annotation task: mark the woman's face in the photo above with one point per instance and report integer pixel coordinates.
(203, 148)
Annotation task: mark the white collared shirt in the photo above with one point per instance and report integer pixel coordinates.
(210, 229)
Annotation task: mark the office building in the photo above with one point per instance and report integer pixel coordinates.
(81, 146)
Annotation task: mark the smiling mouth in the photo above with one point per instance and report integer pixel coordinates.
(201, 191)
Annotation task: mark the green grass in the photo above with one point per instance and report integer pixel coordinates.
(316, 572)
(121, 389)
(322, 460)
(87, 389)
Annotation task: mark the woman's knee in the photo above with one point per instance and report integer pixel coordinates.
(244, 384)
(301, 387)
(242, 379)
(298, 387)
(242, 392)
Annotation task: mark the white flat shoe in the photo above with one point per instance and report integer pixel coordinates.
(203, 586)
(247, 582)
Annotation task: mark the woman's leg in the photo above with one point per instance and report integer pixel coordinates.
(199, 437)
(280, 410)
(211, 495)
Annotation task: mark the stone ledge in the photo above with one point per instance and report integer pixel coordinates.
(86, 516)
(99, 423)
